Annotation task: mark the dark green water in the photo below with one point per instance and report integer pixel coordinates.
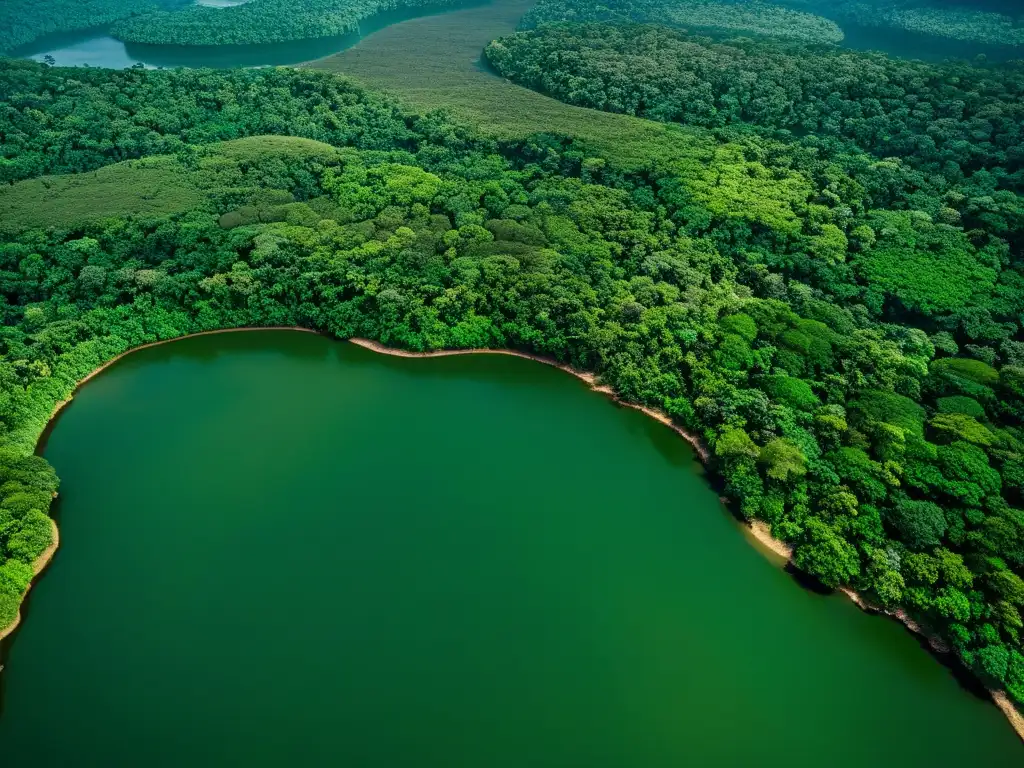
(283, 550)
(918, 45)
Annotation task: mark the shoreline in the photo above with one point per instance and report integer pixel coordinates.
(38, 566)
(591, 379)
(78, 385)
(758, 531)
(761, 533)
(44, 559)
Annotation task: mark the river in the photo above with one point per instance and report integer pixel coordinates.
(279, 549)
(96, 48)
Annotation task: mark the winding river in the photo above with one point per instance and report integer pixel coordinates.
(96, 48)
(279, 549)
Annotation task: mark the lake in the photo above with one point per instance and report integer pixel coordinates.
(279, 549)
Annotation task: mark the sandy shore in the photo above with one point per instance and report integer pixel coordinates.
(37, 568)
(761, 532)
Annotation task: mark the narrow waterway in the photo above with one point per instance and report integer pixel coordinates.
(278, 549)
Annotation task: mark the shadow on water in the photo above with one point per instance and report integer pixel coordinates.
(202, 349)
(96, 48)
(920, 45)
(950, 661)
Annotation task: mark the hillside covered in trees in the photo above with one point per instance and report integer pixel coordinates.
(947, 120)
(257, 21)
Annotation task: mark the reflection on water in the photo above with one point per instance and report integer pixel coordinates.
(96, 48)
(85, 48)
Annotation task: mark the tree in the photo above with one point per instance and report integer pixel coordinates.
(825, 554)
(920, 524)
(783, 460)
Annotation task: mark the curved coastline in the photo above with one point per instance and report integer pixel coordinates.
(590, 378)
(44, 559)
(758, 531)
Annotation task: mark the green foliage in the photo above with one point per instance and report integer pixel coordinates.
(796, 393)
(962, 368)
(827, 555)
(22, 21)
(98, 117)
(921, 524)
(717, 274)
(948, 427)
(929, 269)
(256, 21)
(967, 116)
(964, 21)
(891, 408)
(959, 404)
(757, 17)
(783, 460)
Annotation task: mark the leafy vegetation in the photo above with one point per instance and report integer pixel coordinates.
(960, 24)
(836, 311)
(761, 18)
(948, 119)
(22, 21)
(257, 21)
(955, 158)
(871, 412)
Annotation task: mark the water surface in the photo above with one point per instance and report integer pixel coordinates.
(920, 45)
(283, 550)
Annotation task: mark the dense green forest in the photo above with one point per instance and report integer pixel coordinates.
(22, 21)
(761, 18)
(853, 360)
(257, 21)
(947, 120)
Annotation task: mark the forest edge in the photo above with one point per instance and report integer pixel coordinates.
(759, 531)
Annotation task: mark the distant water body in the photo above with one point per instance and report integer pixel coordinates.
(280, 550)
(918, 45)
(96, 48)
